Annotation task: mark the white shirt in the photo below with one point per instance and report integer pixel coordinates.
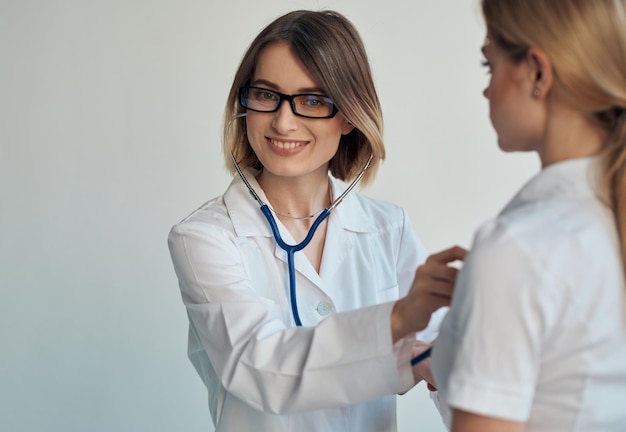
(537, 328)
(340, 370)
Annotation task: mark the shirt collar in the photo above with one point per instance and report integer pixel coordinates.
(573, 178)
(243, 209)
(350, 213)
(247, 219)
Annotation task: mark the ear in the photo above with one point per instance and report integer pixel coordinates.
(347, 128)
(542, 74)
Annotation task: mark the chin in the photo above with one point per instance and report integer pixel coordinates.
(506, 148)
(508, 144)
(505, 145)
(511, 147)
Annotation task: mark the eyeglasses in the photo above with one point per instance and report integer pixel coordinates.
(303, 105)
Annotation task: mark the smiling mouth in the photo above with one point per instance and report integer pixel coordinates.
(286, 145)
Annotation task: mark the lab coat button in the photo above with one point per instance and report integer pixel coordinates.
(323, 308)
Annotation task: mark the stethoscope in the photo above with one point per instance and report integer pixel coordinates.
(292, 249)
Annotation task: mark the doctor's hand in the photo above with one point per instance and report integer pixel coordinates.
(432, 289)
(421, 371)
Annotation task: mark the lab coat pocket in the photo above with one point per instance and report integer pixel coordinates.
(387, 294)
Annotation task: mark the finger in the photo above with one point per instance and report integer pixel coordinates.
(439, 288)
(436, 270)
(424, 372)
(449, 255)
(419, 347)
(436, 302)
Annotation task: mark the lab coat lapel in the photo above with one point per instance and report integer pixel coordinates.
(337, 247)
(345, 221)
(249, 221)
(302, 264)
(244, 211)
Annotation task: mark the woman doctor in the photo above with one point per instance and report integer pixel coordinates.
(535, 339)
(331, 354)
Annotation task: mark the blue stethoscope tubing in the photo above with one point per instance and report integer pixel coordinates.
(423, 356)
(292, 249)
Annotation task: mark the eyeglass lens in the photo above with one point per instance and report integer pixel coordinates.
(307, 105)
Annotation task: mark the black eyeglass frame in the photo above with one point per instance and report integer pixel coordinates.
(244, 90)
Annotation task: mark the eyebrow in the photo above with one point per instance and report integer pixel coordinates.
(273, 86)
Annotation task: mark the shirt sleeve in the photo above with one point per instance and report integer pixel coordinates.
(346, 359)
(487, 356)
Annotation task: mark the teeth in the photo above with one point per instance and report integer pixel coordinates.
(285, 145)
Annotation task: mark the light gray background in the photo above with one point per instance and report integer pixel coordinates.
(110, 118)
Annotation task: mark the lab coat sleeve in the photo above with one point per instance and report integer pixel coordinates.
(346, 359)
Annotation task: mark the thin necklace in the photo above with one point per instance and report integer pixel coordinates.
(330, 199)
(298, 217)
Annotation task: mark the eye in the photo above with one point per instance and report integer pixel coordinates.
(262, 95)
(266, 95)
(313, 101)
(313, 105)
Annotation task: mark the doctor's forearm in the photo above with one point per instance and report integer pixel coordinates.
(398, 326)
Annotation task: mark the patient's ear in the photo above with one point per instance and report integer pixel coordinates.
(541, 72)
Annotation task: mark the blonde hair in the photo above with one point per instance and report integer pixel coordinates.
(586, 43)
(331, 50)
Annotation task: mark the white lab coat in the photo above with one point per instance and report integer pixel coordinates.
(340, 370)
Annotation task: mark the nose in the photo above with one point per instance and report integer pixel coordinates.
(284, 119)
(486, 92)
